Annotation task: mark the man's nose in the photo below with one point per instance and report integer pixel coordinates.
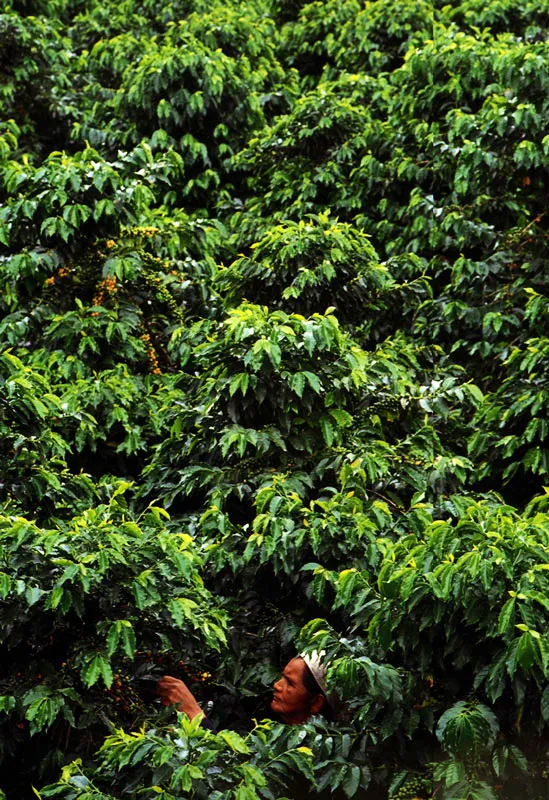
(277, 685)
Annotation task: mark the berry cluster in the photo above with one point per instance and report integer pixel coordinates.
(195, 677)
(107, 286)
(122, 693)
(414, 789)
(386, 404)
(151, 354)
(62, 272)
(154, 282)
(190, 675)
(147, 231)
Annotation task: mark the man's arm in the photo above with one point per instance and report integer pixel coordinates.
(174, 692)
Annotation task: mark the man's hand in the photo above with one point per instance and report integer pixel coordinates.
(174, 692)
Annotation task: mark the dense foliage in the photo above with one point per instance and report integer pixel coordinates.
(274, 364)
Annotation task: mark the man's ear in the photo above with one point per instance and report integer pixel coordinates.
(317, 703)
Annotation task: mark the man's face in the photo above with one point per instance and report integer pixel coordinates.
(292, 701)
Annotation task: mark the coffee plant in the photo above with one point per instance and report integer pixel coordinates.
(274, 353)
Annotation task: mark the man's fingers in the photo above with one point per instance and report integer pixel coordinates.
(171, 690)
(167, 679)
(167, 683)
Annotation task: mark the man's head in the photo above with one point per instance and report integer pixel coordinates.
(297, 695)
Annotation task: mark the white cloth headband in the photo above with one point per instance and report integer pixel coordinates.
(317, 668)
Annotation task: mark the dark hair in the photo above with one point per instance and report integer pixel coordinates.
(310, 683)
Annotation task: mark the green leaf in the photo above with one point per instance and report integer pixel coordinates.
(235, 742)
(97, 667)
(518, 758)
(454, 773)
(239, 382)
(121, 631)
(544, 705)
(56, 596)
(5, 585)
(506, 615)
(7, 703)
(113, 637)
(244, 793)
(313, 381)
(43, 712)
(538, 597)
(352, 781)
(128, 639)
(182, 610)
(297, 383)
(327, 430)
(33, 595)
(526, 651)
(342, 418)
